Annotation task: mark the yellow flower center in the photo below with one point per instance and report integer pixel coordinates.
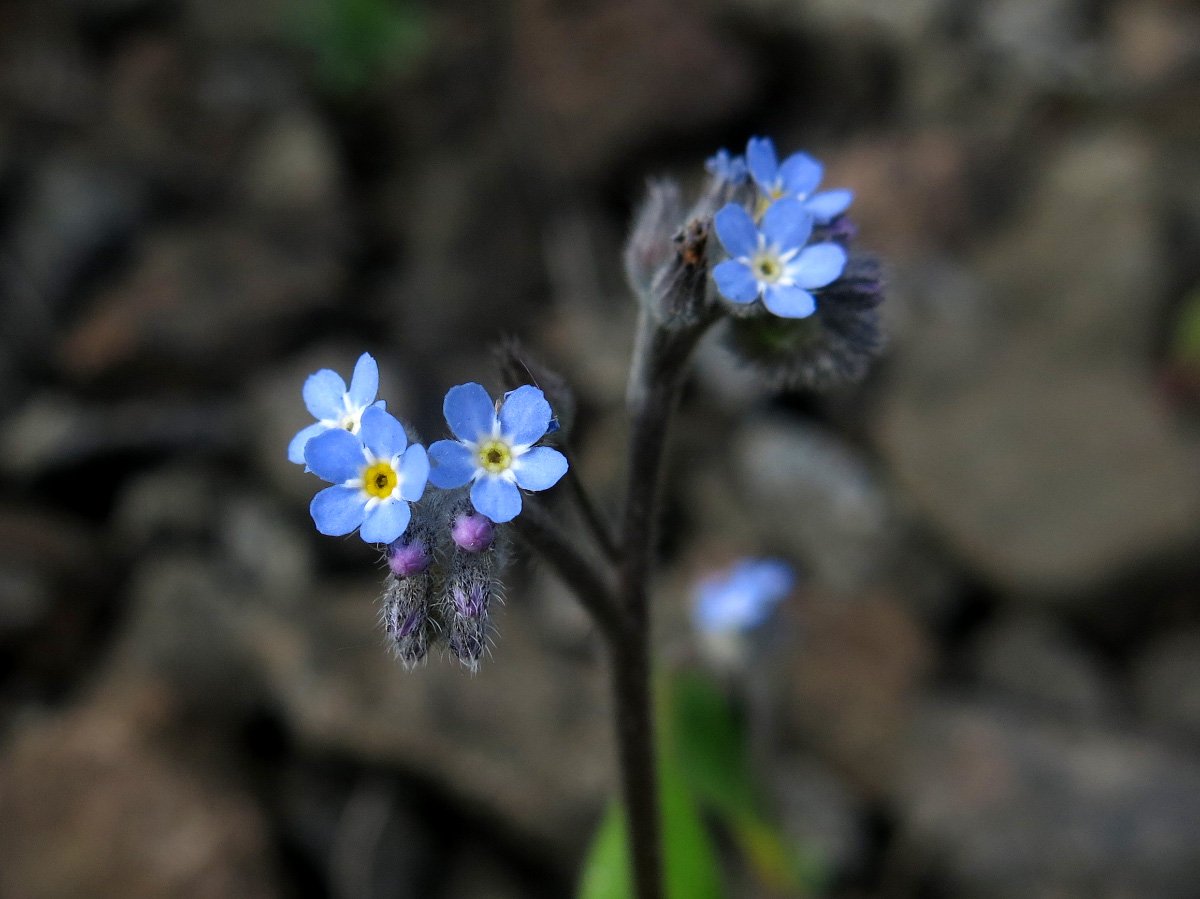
(380, 479)
(766, 267)
(495, 456)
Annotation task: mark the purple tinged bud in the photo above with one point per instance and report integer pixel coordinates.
(406, 557)
(471, 601)
(473, 532)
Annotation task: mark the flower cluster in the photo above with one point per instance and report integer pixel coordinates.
(444, 551)
(771, 257)
(365, 453)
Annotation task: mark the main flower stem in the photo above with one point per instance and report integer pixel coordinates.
(660, 365)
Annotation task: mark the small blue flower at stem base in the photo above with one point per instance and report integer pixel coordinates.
(773, 262)
(728, 168)
(797, 177)
(335, 406)
(743, 597)
(375, 476)
(495, 451)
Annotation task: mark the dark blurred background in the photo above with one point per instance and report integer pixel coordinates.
(991, 686)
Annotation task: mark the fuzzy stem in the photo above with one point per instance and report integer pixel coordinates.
(588, 510)
(660, 365)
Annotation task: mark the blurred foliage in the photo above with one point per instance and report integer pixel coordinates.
(1185, 340)
(359, 42)
(704, 767)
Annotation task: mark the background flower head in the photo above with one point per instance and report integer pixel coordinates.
(333, 405)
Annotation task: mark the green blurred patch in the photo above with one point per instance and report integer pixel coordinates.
(704, 767)
(358, 43)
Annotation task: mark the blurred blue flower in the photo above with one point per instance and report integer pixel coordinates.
(333, 406)
(774, 262)
(495, 450)
(742, 597)
(375, 476)
(728, 168)
(797, 177)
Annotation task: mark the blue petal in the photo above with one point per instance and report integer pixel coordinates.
(364, 383)
(735, 281)
(452, 464)
(800, 174)
(323, 392)
(736, 230)
(787, 225)
(540, 468)
(414, 472)
(469, 412)
(829, 203)
(818, 265)
(498, 499)
(762, 161)
(335, 456)
(386, 522)
(296, 447)
(382, 434)
(524, 416)
(789, 302)
(337, 511)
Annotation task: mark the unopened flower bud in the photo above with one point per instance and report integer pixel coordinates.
(408, 556)
(473, 532)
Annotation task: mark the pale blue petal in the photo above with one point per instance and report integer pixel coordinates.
(382, 434)
(735, 281)
(323, 392)
(762, 161)
(829, 204)
(800, 174)
(524, 416)
(736, 230)
(335, 456)
(386, 522)
(818, 265)
(787, 225)
(498, 499)
(337, 511)
(789, 302)
(296, 447)
(364, 383)
(540, 468)
(469, 412)
(414, 472)
(451, 464)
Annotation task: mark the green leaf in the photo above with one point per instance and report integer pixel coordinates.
(689, 859)
(1185, 342)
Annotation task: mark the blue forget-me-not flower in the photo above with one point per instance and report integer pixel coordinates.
(773, 262)
(375, 474)
(726, 167)
(495, 449)
(743, 597)
(334, 406)
(796, 177)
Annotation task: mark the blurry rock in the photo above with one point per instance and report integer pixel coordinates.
(480, 873)
(1027, 428)
(264, 547)
(820, 815)
(673, 69)
(201, 294)
(292, 172)
(187, 627)
(54, 431)
(1153, 41)
(1048, 43)
(174, 502)
(76, 213)
(526, 740)
(98, 803)
(1035, 661)
(45, 559)
(45, 72)
(1167, 683)
(1016, 807)
(819, 499)
(850, 687)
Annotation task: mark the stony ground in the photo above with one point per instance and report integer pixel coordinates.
(993, 684)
